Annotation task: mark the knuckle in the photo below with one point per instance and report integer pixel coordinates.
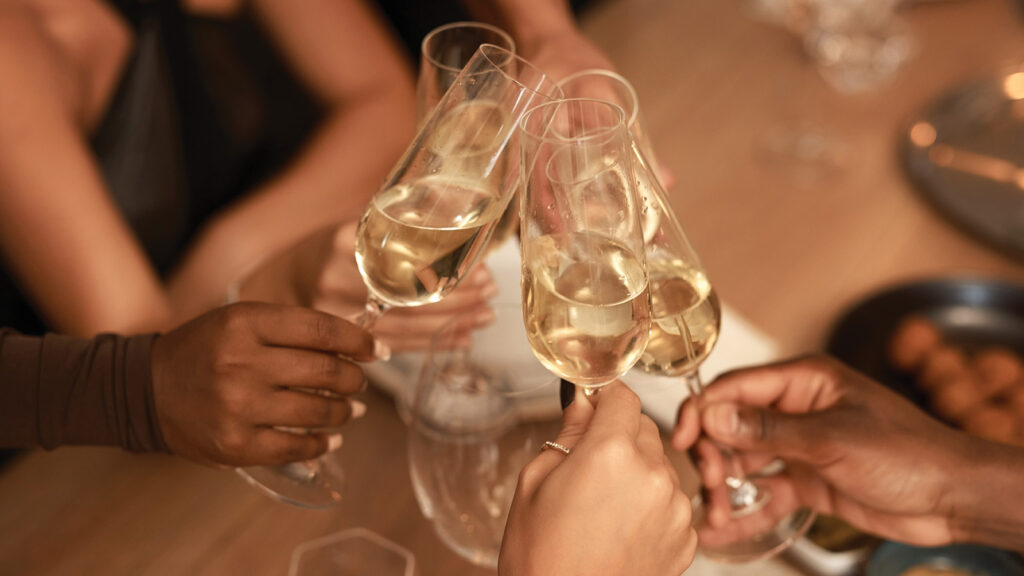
(299, 448)
(613, 452)
(236, 317)
(226, 363)
(659, 483)
(233, 403)
(330, 367)
(529, 476)
(230, 442)
(648, 427)
(323, 329)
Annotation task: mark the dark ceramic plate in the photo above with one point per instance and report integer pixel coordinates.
(969, 312)
(893, 559)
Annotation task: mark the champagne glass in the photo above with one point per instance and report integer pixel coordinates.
(586, 303)
(444, 52)
(423, 231)
(483, 409)
(686, 319)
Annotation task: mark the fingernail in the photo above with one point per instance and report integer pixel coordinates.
(722, 419)
(381, 351)
(333, 442)
(484, 317)
(566, 393)
(489, 291)
(358, 408)
(365, 384)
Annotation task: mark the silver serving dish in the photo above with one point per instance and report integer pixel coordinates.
(966, 153)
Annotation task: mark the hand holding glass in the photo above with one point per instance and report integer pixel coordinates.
(426, 227)
(686, 319)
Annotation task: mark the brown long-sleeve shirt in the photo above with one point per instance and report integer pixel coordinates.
(57, 390)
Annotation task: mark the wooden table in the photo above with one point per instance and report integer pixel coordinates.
(789, 253)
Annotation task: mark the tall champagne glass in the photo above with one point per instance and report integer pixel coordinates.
(686, 319)
(444, 52)
(425, 228)
(586, 303)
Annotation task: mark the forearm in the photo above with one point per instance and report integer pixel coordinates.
(335, 175)
(58, 390)
(987, 496)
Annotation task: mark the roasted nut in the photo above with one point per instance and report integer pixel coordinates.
(991, 422)
(999, 369)
(913, 338)
(956, 397)
(943, 363)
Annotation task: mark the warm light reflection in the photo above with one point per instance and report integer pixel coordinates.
(981, 165)
(1013, 86)
(922, 134)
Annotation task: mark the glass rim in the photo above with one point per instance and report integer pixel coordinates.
(633, 113)
(545, 80)
(598, 135)
(463, 24)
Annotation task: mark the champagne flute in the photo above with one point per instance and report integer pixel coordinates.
(423, 231)
(686, 319)
(586, 303)
(444, 52)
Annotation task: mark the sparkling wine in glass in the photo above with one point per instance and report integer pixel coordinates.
(443, 54)
(428, 224)
(586, 302)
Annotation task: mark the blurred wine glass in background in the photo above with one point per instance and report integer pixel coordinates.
(855, 46)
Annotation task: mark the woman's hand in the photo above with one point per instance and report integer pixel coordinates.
(611, 506)
(226, 383)
(321, 272)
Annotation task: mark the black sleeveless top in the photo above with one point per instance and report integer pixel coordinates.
(205, 110)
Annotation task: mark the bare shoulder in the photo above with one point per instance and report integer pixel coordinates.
(36, 73)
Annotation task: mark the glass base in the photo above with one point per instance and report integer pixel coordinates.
(754, 535)
(759, 526)
(309, 484)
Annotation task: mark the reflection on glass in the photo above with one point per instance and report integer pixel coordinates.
(478, 418)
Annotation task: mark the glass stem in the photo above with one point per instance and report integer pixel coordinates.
(744, 496)
(372, 312)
